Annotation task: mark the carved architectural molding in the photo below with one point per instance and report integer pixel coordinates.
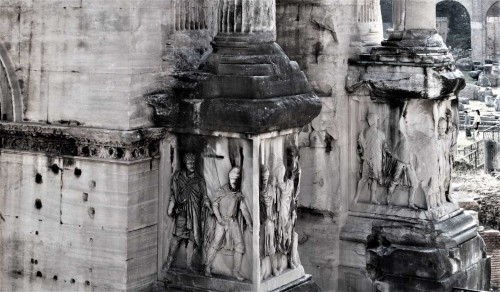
(83, 142)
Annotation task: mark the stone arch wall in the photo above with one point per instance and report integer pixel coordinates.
(467, 4)
(486, 5)
(477, 24)
(492, 32)
(11, 103)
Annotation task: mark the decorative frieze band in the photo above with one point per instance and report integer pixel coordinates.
(84, 142)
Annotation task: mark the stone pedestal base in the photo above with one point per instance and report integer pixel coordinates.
(186, 281)
(396, 255)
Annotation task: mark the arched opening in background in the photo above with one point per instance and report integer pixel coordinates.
(11, 103)
(5, 95)
(454, 25)
(493, 33)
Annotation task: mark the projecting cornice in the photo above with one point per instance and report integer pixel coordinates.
(80, 141)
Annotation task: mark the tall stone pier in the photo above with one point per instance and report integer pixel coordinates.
(404, 232)
(235, 176)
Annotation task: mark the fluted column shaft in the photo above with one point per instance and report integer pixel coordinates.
(369, 19)
(413, 15)
(247, 17)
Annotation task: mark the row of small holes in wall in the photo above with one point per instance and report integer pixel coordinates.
(38, 205)
(78, 173)
(55, 169)
(55, 278)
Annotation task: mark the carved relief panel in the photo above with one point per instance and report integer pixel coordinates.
(228, 211)
(209, 208)
(404, 154)
(279, 191)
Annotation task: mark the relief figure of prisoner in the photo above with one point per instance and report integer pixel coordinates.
(451, 137)
(443, 161)
(372, 150)
(230, 210)
(403, 171)
(268, 213)
(288, 182)
(189, 193)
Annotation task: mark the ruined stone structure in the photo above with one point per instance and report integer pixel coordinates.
(483, 30)
(229, 145)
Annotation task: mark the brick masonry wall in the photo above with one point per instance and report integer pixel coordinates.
(492, 240)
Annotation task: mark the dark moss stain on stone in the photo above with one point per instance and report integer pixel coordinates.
(91, 212)
(55, 168)
(16, 274)
(68, 161)
(119, 153)
(38, 204)
(38, 178)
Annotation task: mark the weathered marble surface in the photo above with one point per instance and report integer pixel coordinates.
(216, 156)
(77, 224)
(96, 59)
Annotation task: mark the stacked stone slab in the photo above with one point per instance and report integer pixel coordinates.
(404, 232)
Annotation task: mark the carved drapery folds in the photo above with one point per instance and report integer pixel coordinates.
(278, 195)
(391, 171)
(217, 224)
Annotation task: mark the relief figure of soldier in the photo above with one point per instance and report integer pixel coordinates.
(231, 212)
(372, 149)
(402, 170)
